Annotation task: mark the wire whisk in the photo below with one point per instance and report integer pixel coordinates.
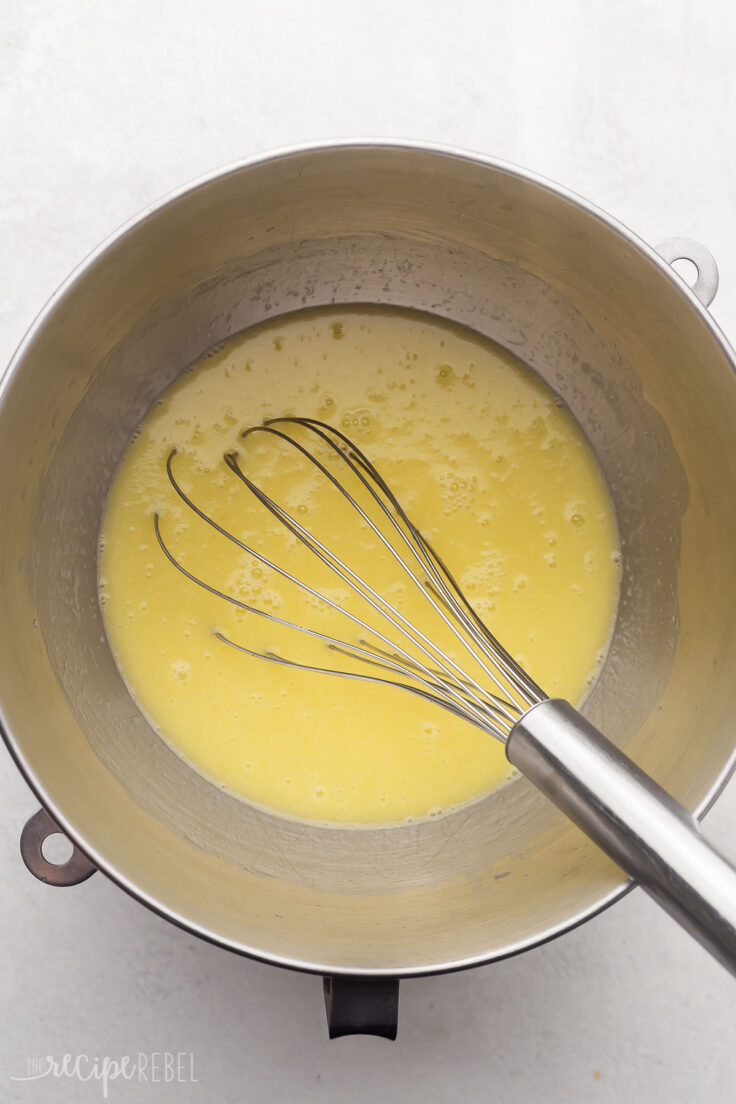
(478, 680)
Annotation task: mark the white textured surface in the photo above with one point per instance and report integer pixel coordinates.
(106, 106)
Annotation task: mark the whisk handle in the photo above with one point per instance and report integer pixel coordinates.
(637, 823)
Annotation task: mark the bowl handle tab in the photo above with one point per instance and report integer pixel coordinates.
(685, 249)
(36, 831)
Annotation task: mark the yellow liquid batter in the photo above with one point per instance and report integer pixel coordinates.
(489, 465)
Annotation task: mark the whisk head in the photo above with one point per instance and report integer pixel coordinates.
(450, 658)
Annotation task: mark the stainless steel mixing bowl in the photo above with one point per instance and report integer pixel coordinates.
(609, 325)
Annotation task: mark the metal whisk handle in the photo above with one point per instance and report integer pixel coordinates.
(637, 823)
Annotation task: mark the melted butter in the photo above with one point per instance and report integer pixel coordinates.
(490, 466)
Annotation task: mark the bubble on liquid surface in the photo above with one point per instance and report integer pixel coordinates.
(354, 421)
(181, 670)
(574, 512)
(484, 607)
(457, 489)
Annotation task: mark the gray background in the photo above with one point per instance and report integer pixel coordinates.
(105, 107)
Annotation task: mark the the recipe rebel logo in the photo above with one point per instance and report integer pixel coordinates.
(156, 1067)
